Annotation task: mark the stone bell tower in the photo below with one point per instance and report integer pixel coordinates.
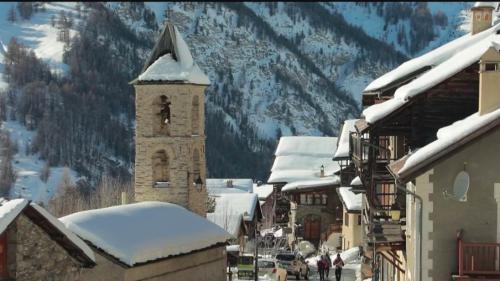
(170, 129)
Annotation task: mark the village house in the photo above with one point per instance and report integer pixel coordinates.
(236, 208)
(304, 172)
(267, 200)
(151, 241)
(404, 109)
(34, 245)
(456, 176)
(351, 228)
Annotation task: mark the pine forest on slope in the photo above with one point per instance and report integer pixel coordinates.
(276, 69)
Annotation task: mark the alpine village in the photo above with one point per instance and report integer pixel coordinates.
(403, 186)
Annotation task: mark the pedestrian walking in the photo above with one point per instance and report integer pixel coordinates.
(338, 263)
(328, 262)
(321, 269)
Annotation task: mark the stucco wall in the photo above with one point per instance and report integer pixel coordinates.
(33, 255)
(207, 265)
(444, 217)
(351, 233)
(180, 145)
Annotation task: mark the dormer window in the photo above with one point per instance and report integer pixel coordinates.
(490, 67)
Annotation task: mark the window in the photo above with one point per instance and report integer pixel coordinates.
(490, 67)
(486, 16)
(164, 110)
(317, 199)
(310, 199)
(161, 115)
(303, 199)
(161, 167)
(324, 199)
(195, 116)
(478, 16)
(346, 219)
(359, 219)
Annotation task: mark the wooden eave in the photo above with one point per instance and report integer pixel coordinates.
(431, 161)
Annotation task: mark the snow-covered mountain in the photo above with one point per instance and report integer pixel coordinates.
(276, 69)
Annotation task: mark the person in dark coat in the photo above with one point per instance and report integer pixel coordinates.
(321, 269)
(328, 264)
(338, 263)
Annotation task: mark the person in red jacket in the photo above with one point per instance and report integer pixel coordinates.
(338, 263)
(321, 268)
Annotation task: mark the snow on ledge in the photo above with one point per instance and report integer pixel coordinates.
(311, 184)
(449, 135)
(353, 202)
(356, 181)
(145, 231)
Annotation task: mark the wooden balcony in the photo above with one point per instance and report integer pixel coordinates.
(477, 261)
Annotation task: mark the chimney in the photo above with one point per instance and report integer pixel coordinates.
(229, 183)
(482, 13)
(489, 80)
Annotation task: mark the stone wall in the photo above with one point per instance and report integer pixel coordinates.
(206, 265)
(179, 142)
(33, 255)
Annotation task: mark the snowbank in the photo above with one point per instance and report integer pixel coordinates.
(145, 231)
(311, 184)
(343, 146)
(448, 136)
(353, 202)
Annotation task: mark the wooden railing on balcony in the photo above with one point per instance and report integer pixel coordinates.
(478, 258)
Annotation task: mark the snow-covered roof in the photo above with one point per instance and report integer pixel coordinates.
(145, 231)
(10, 210)
(485, 5)
(300, 158)
(263, 191)
(231, 222)
(236, 204)
(448, 136)
(445, 61)
(352, 202)
(356, 181)
(217, 186)
(306, 145)
(171, 60)
(343, 146)
(311, 184)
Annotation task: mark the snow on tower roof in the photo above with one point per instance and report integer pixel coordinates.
(145, 231)
(446, 61)
(300, 158)
(351, 201)
(485, 5)
(447, 137)
(217, 186)
(343, 145)
(171, 60)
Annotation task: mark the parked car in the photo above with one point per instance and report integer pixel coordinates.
(246, 267)
(294, 264)
(271, 269)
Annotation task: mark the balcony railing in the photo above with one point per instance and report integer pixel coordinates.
(482, 259)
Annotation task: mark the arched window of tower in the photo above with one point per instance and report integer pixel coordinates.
(195, 116)
(161, 167)
(162, 108)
